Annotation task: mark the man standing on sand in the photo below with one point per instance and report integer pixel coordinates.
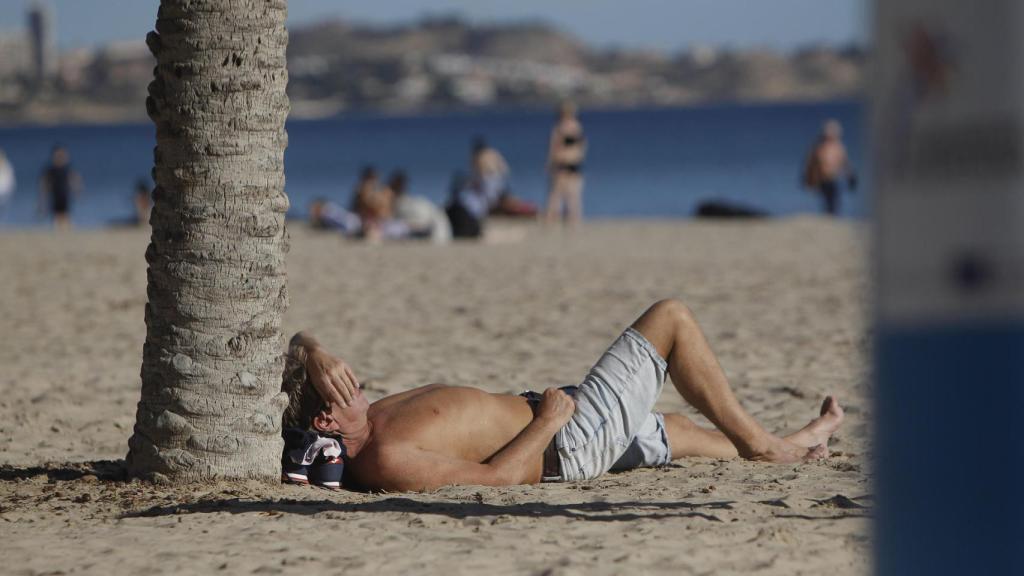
(57, 184)
(827, 164)
(440, 435)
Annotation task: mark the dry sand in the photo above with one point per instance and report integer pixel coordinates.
(783, 304)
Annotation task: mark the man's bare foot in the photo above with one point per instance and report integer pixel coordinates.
(818, 432)
(781, 451)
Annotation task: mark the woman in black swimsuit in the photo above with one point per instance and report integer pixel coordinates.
(565, 166)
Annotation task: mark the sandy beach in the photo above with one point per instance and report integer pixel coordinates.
(783, 304)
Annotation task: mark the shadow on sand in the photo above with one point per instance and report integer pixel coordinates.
(593, 511)
(115, 471)
(111, 470)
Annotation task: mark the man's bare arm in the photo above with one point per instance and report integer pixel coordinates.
(408, 468)
(331, 376)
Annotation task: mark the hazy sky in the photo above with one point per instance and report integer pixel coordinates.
(661, 24)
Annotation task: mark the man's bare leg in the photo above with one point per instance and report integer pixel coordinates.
(688, 439)
(671, 328)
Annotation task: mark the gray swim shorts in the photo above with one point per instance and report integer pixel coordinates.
(613, 427)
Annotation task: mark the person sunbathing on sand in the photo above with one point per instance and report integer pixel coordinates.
(440, 435)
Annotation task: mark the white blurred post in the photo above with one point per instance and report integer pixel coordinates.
(948, 145)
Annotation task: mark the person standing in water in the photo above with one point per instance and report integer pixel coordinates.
(57, 184)
(567, 151)
(827, 164)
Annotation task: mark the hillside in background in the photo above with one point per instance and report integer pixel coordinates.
(439, 64)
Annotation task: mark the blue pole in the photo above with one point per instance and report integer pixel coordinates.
(948, 133)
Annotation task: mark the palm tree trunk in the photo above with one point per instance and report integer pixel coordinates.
(211, 368)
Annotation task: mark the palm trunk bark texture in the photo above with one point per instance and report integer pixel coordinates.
(211, 370)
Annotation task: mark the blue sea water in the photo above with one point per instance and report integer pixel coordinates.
(641, 163)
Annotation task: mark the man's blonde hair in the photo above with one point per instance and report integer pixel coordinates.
(304, 402)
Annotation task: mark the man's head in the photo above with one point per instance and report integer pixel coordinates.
(308, 411)
(304, 401)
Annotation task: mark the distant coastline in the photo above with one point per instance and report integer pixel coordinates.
(439, 66)
(111, 119)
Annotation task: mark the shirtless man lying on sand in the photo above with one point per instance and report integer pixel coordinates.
(440, 435)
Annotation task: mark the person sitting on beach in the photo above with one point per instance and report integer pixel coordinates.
(491, 173)
(419, 216)
(490, 169)
(373, 203)
(327, 215)
(408, 217)
(467, 207)
(827, 164)
(441, 435)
